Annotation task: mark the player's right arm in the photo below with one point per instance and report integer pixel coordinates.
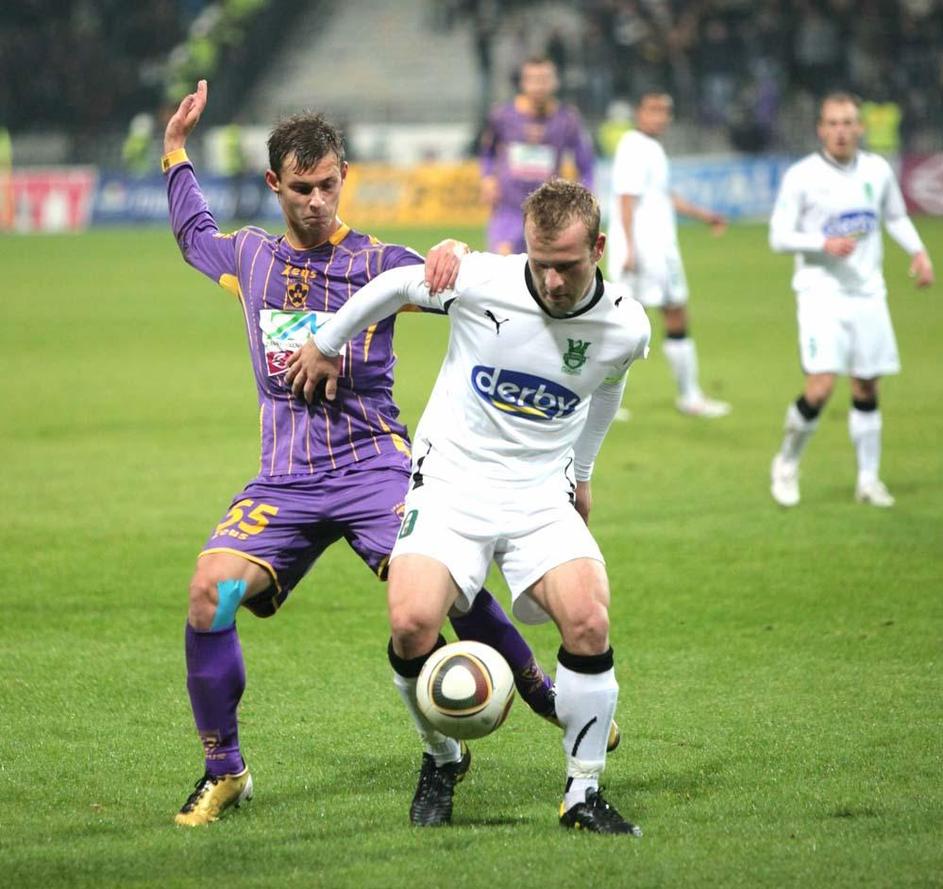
(628, 182)
(317, 362)
(193, 225)
(627, 204)
(785, 236)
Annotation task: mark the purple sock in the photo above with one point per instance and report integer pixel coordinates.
(216, 678)
(487, 622)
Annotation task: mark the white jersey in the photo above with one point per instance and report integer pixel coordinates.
(640, 168)
(820, 198)
(515, 387)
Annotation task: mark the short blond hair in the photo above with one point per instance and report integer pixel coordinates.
(557, 203)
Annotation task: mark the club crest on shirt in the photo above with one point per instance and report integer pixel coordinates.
(297, 285)
(575, 356)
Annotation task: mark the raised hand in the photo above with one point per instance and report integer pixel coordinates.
(185, 118)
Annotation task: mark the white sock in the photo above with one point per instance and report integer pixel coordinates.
(864, 427)
(682, 356)
(586, 703)
(798, 431)
(442, 748)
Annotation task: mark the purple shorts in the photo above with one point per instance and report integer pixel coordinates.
(284, 526)
(506, 231)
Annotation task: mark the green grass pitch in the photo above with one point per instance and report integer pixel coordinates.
(781, 704)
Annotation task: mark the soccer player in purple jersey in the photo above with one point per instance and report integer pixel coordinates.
(524, 145)
(327, 471)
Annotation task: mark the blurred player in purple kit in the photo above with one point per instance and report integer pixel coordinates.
(525, 143)
(326, 472)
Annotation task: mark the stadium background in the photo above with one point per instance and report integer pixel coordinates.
(781, 685)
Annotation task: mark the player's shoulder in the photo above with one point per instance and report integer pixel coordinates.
(478, 269)
(251, 232)
(871, 163)
(810, 162)
(624, 309)
(634, 140)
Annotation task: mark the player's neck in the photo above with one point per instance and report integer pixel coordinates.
(845, 163)
(301, 239)
(529, 106)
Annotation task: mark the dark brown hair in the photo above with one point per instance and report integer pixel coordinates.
(307, 136)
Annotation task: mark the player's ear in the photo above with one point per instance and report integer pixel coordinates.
(344, 168)
(599, 246)
(271, 180)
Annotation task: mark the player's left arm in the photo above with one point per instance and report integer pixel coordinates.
(603, 406)
(318, 361)
(902, 230)
(717, 221)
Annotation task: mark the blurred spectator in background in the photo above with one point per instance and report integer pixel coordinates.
(617, 123)
(138, 153)
(525, 143)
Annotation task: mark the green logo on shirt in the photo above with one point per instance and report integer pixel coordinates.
(409, 523)
(868, 191)
(575, 356)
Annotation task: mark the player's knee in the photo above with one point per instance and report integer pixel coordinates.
(588, 632)
(213, 602)
(413, 632)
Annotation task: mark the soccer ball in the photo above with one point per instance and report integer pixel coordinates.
(465, 689)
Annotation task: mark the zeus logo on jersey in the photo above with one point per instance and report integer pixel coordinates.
(853, 224)
(523, 395)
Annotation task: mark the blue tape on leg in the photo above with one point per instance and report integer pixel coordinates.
(230, 595)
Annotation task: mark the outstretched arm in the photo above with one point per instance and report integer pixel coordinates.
(317, 362)
(717, 221)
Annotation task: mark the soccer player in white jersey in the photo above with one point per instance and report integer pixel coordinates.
(535, 369)
(829, 212)
(643, 243)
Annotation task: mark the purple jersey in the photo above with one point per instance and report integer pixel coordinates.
(286, 294)
(524, 150)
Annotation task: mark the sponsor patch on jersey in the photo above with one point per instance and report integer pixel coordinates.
(286, 332)
(853, 224)
(528, 161)
(523, 395)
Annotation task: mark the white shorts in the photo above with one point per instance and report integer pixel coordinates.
(846, 335)
(659, 282)
(526, 533)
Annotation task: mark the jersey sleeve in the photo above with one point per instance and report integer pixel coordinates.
(629, 168)
(784, 233)
(202, 244)
(383, 296)
(396, 256)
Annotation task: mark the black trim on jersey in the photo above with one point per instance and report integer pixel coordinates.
(448, 305)
(600, 290)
